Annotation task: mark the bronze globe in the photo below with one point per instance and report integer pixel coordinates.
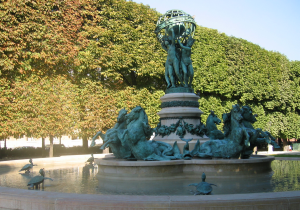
(182, 23)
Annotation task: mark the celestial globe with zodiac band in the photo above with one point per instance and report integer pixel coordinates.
(182, 23)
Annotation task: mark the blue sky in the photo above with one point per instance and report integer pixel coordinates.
(272, 24)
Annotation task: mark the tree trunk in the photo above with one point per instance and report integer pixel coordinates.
(43, 147)
(284, 142)
(84, 144)
(51, 146)
(5, 143)
(60, 140)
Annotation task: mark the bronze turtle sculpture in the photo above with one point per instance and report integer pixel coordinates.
(91, 159)
(202, 188)
(37, 180)
(27, 167)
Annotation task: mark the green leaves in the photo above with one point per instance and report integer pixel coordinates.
(122, 44)
(43, 106)
(229, 70)
(70, 66)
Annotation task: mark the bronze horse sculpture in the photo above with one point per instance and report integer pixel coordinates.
(111, 138)
(136, 135)
(257, 136)
(211, 129)
(235, 141)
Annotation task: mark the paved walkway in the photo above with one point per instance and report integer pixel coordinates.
(282, 153)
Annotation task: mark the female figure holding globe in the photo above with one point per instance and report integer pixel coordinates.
(186, 61)
(172, 62)
(175, 25)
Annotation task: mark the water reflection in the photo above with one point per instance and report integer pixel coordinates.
(286, 175)
(83, 179)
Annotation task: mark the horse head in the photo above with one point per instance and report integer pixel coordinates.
(133, 115)
(232, 119)
(248, 114)
(236, 113)
(121, 116)
(213, 118)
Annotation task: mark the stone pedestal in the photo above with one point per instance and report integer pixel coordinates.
(176, 106)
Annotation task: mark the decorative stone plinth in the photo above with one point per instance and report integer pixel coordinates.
(180, 106)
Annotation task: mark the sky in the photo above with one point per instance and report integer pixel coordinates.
(272, 24)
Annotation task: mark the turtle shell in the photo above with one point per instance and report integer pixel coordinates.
(36, 180)
(91, 159)
(26, 167)
(204, 188)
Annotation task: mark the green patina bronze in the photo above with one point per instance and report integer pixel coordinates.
(111, 138)
(202, 188)
(186, 155)
(180, 90)
(257, 136)
(175, 30)
(236, 140)
(37, 180)
(27, 167)
(129, 139)
(211, 129)
(239, 136)
(137, 134)
(181, 128)
(91, 159)
(180, 103)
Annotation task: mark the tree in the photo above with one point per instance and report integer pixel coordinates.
(44, 107)
(6, 104)
(122, 45)
(39, 37)
(229, 70)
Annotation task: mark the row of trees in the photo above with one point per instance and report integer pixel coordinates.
(69, 66)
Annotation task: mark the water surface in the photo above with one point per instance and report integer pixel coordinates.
(83, 179)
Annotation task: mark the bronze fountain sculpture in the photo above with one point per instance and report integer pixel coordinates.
(129, 138)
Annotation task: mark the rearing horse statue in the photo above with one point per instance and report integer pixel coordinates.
(257, 136)
(136, 135)
(236, 138)
(111, 138)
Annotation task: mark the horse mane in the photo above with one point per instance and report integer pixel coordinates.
(245, 109)
(122, 111)
(227, 123)
(142, 114)
(227, 119)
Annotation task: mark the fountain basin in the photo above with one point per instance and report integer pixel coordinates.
(148, 170)
(13, 198)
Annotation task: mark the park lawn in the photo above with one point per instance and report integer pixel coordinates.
(285, 155)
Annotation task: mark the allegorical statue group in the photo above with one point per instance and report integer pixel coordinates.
(178, 67)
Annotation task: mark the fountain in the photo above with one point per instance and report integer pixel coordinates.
(159, 166)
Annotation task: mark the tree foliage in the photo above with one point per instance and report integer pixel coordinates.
(44, 106)
(122, 45)
(70, 66)
(229, 70)
(40, 37)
